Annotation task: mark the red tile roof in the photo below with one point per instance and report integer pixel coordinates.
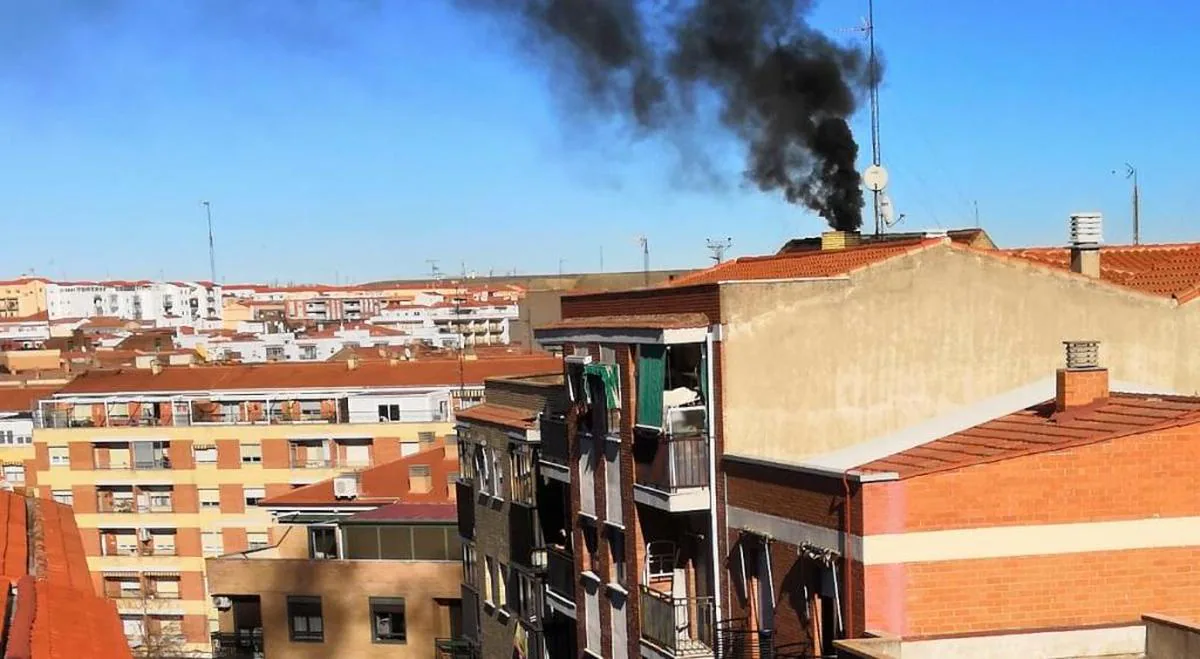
(23, 399)
(500, 415)
(39, 317)
(409, 512)
(1169, 270)
(320, 375)
(57, 614)
(1038, 429)
(831, 263)
(650, 321)
(380, 485)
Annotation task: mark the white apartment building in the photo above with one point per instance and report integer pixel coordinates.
(23, 332)
(167, 304)
(477, 323)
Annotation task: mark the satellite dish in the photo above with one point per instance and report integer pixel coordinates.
(887, 212)
(875, 178)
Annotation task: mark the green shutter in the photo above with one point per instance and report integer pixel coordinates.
(704, 374)
(606, 373)
(651, 377)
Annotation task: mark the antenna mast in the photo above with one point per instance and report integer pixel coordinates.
(645, 259)
(873, 64)
(212, 252)
(434, 272)
(1131, 173)
(718, 248)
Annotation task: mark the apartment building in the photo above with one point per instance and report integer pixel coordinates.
(52, 610)
(775, 360)
(1048, 529)
(167, 304)
(365, 564)
(24, 332)
(22, 297)
(515, 527)
(164, 466)
(17, 404)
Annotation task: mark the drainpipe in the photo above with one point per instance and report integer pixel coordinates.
(712, 477)
(848, 558)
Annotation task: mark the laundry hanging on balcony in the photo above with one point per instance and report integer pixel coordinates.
(606, 373)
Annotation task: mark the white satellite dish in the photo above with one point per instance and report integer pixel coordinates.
(887, 212)
(875, 178)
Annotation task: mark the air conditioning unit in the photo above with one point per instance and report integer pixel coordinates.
(222, 603)
(345, 486)
(144, 535)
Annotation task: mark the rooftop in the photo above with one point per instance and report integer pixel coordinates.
(318, 375)
(55, 612)
(500, 415)
(1038, 429)
(650, 321)
(806, 264)
(23, 399)
(974, 237)
(408, 512)
(377, 486)
(1169, 270)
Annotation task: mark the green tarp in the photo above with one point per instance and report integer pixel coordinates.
(606, 373)
(651, 377)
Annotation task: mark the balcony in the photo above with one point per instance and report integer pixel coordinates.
(555, 451)
(525, 544)
(678, 626)
(671, 471)
(245, 644)
(466, 511)
(470, 614)
(454, 648)
(560, 580)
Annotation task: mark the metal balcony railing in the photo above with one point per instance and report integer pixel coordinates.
(670, 463)
(680, 625)
(454, 648)
(244, 644)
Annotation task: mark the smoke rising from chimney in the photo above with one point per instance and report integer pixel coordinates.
(783, 89)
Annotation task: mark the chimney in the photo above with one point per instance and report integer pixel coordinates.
(1082, 382)
(835, 240)
(1085, 243)
(352, 362)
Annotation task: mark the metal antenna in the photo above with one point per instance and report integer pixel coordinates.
(718, 248)
(873, 64)
(433, 269)
(212, 252)
(645, 244)
(1131, 173)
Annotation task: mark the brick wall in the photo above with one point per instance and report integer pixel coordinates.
(704, 298)
(187, 542)
(229, 454)
(180, 453)
(790, 494)
(233, 498)
(234, 539)
(83, 499)
(80, 456)
(186, 499)
(275, 454)
(385, 450)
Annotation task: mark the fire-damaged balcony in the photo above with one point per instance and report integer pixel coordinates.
(554, 451)
(677, 594)
(671, 448)
(677, 626)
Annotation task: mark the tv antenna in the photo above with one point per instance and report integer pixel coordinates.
(212, 252)
(868, 28)
(644, 243)
(1131, 173)
(434, 271)
(718, 248)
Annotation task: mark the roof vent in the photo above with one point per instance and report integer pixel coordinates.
(835, 240)
(1085, 229)
(1082, 355)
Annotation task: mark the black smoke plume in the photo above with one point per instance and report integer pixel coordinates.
(782, 88)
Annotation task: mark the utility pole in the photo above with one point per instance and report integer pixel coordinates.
(212, 252)
(718, 248)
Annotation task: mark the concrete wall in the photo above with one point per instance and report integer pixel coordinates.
(816, 366)
(1168, 638)
(345, 588)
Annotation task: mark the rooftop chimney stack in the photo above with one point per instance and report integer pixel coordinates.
(1085, 243)
(835, 240)
(1083, 381)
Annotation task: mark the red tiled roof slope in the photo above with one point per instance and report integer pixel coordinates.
(23, 399)
(648, 321)
(323, 375)
(379, 485)
(409, 512)
(500, 415)
(815, 263)
(1039, 429)
(1169, 270)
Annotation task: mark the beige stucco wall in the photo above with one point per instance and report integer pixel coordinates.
(345, 588)
(810, 367)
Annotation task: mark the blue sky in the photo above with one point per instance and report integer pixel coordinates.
(358, 138)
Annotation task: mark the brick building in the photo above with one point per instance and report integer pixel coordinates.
(510, 520)
(756, 380)
(360, 565)
(164, 467)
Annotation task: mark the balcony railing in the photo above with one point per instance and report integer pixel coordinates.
(312, 463)
(554, 441)
(245, 644)
(560, 573)
(161, 463)
(453, 648)
(680, 625)
(669, 463)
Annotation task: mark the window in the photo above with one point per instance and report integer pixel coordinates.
(7, 437)
(169, 626)
(483, 463)
(212, 543)
(426, 439)
(616, 548)
(258, 539)
(304, 619)
(522, 488)
(59, 457)
(254, 495)
(387, 620)
(14, 473)
(470, 566)
(65, 497)
(129, 589)
(400, 542)
(160, 501)
(205, 455)
(274, 353)
(166, 588)
(389, 412)
(489, 575)
(308, 352)
(210, 498)
(251, 453)
(322, 542)
(497, 474)
(501, 581)
(163, 543)
(420, 480)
